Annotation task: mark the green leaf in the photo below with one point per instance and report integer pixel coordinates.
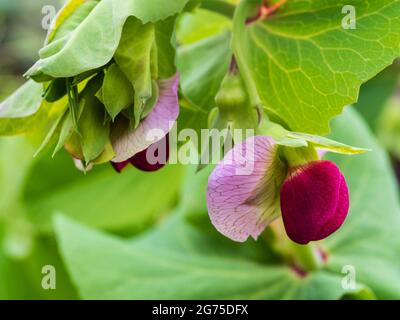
(25, 102)
(93, 129)
(11, 127)
(191, 26)
(68, 20)
(369, 239)
(166, 51)
(202, 66)
(63, 14)
(102, 198)
(304, 67)
(96, 39)
(388, 127)
(117, 91)
(137, 271)
(375, 94)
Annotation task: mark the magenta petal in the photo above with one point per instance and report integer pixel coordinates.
(233, 190)
(119, 166)
(154, 127)
(340, 213)
(314, 201)
(153, 158)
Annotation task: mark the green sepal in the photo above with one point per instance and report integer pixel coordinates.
(56, 116)
(295, 157)
(296, 139)
(133, 56)
(94, 132)
(117, 92)
(67, 126)
(151, 103)
(56, 90)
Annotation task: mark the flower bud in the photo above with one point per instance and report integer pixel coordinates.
(314, 201)
(233, 110)
(232, 94)
(149, 160)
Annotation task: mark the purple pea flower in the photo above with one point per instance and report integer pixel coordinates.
(135, 146)
(313, 197)
(141, 160)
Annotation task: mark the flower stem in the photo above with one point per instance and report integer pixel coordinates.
(218, 6)
(306, 256)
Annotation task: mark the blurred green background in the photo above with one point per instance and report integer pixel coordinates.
(32, 191)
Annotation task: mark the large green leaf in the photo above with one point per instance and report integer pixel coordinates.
(102, 198)
(304, 67)
(191, 26)
(124, 271)
(96, 39)
(161, 263)
(369, 239)
(202, 66)
(70, 17)
(24, 102)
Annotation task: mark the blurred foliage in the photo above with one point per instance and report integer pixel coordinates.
(21, 36)
(375, 94)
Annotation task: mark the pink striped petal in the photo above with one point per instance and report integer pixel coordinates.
(322, 153)
(154, 127)
(243, 190)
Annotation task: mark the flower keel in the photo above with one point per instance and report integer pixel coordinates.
(314, 201)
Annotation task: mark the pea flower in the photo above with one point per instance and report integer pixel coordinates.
(138, 145)
(312, 196)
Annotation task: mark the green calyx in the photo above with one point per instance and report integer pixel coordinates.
(232, 95)
(296, 157)
(233, 107)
